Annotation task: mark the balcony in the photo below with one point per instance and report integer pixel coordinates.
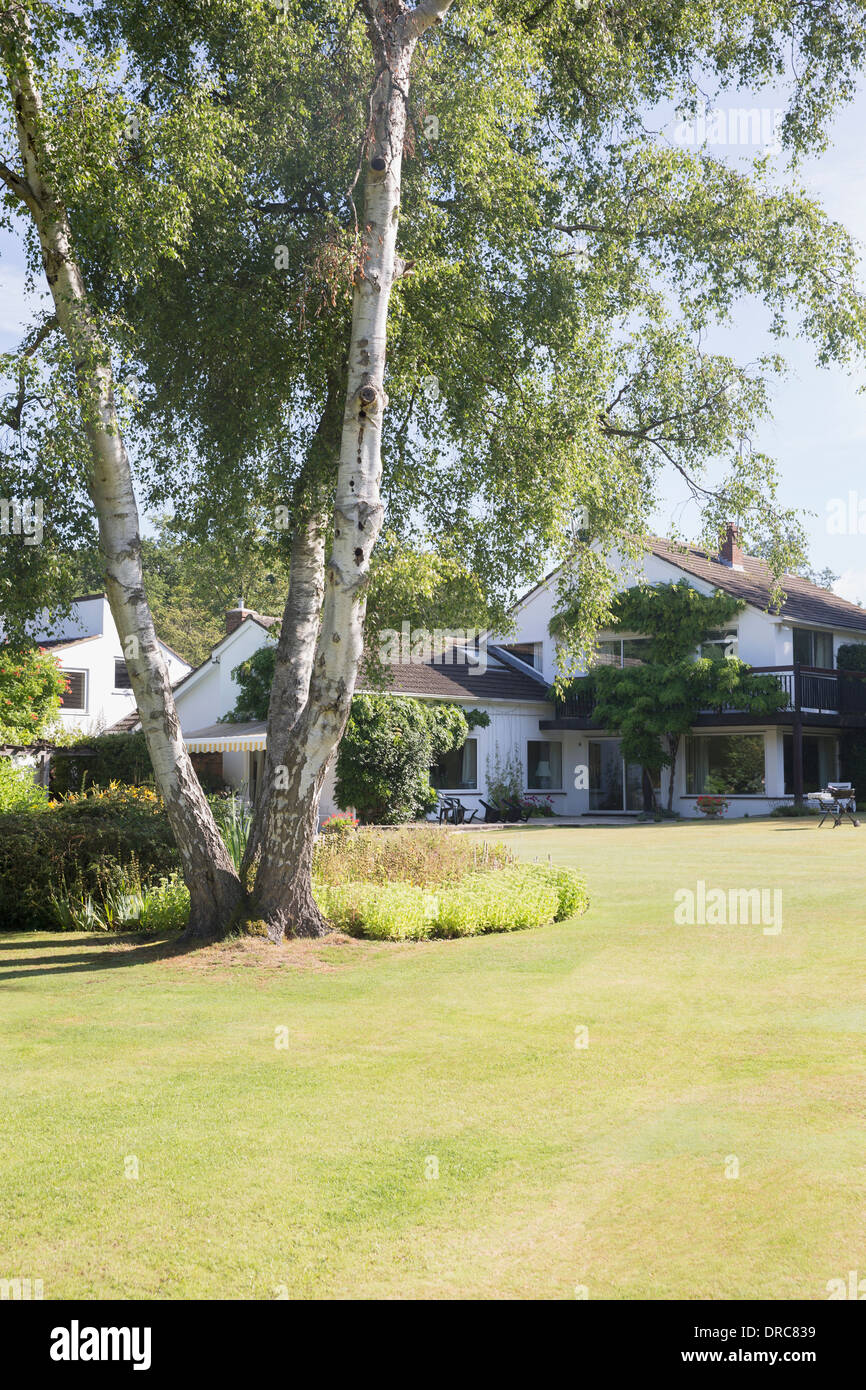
(813, 692)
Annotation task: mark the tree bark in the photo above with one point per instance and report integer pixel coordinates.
(215, 890)
(673, 749)
(283, 893)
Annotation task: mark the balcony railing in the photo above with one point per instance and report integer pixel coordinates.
(810, 690)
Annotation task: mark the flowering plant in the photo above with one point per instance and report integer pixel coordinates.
(713, 806)
(341, 823)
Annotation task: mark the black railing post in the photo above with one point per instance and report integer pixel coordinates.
(797, 748)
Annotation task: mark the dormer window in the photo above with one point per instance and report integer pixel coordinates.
(527, 652)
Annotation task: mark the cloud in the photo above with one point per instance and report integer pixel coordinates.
(851, 585)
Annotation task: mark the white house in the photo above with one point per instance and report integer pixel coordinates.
(90, 653)
(557, 749)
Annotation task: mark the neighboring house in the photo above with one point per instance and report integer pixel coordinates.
(560, 752)
(90, 653)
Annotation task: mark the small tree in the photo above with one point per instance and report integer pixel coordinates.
(383, 767)
(31, 684)
(652, 706)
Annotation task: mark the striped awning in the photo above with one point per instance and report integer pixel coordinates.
(225, 738)
(226, 745)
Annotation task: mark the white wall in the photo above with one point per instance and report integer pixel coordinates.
(97, 645)
(210, 693)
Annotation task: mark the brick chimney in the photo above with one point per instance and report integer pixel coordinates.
(730, 553)
(235, 616)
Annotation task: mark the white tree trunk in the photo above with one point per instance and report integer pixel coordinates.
(215, 890)
(282, 891)
(302, 614)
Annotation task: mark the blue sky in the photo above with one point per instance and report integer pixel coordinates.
(817, 431)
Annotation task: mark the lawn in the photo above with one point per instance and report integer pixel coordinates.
(311, 1169)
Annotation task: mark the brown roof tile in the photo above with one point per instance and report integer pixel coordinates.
(462, 681)
(804, 602)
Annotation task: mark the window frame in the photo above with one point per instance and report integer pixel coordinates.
(688, 755)
(121, 689)
(446, 790)
(85, 674)
(545, 743)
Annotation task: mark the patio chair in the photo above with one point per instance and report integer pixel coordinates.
(517, 811)
(445, 808)
(493, 813)
(462, 814)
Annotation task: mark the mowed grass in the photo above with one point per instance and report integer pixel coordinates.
(310, 1169)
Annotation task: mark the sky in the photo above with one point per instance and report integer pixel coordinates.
(817, 431)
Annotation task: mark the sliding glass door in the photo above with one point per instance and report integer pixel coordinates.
(614, 785)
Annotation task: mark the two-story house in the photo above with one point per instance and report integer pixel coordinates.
(556, 747)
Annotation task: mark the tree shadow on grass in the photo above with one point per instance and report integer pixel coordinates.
(108, 953)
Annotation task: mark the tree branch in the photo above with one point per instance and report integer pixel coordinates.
(21, 188)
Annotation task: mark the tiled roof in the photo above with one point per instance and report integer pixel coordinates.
(58, 643)
(124, 725)
(462, 682)
(804, 602)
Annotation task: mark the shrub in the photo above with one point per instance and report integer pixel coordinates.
(31, 683)
(383, 766)
(18, 790)
(851, 656)
(120, 758)
(787, 809)
(712, 806)
(83, 843)
(504, 777)
(511, 899)
(386, 912)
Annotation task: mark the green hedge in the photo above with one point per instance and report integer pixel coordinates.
(500, 900)
(851, 656)
(83, 841)
(110, 758)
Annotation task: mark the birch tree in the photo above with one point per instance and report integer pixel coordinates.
(568, 264)
(214, 886)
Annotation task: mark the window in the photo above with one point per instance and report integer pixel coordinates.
(608, 654)
(121, 675)
(725, 765)
(75, 698)
(621, 651)
(543, 766)
(614, 784)
(720, 645)
(458, 769)
(813, 648)
(528, 652)
(819, 762)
